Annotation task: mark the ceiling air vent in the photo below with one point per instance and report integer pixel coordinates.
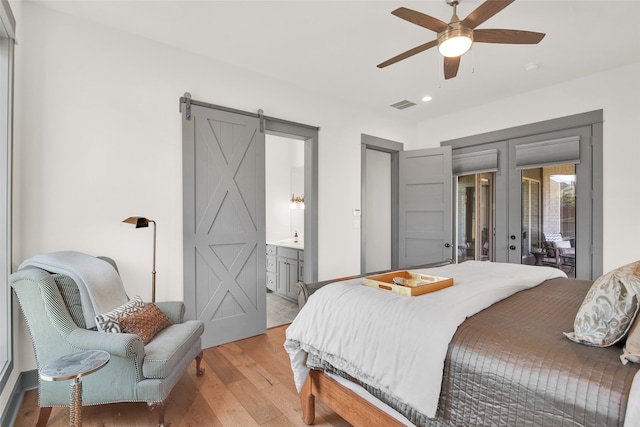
(401, 105)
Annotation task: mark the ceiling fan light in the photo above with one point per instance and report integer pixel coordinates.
(455, 41)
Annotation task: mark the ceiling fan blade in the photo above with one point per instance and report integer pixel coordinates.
(421, 19)
(451, 66)
(485, 11)
(507, 36)
(409, 53)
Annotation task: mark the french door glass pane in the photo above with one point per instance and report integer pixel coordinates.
(526, 214)
(548, 216)
(530, 216)
(475, 231)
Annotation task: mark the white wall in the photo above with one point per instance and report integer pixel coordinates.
(296, 216)
(617, 93)
(278, 187)
(98, 139)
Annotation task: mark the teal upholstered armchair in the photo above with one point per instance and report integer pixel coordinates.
(135, 373)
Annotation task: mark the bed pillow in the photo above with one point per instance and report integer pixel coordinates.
(146, 324)
(631, 351)
(609, 308)
(109, 321)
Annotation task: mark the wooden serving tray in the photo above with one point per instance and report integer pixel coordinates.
(408, 283)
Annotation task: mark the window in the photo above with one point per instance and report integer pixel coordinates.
(475, 228)
(562, 199)
(531, 215)
(7, 26)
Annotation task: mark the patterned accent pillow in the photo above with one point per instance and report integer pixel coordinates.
(146, 324)
(71, 297)
(608, 309)
(631, 351)
(109, 321)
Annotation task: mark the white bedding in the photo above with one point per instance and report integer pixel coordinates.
(398, 344)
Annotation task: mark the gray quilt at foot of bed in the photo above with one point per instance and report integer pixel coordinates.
(511, 365)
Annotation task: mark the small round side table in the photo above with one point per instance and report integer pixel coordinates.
(539, 255)
(73, 367)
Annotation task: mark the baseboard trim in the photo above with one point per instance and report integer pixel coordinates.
(27, 380)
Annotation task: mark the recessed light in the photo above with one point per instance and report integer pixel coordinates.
(532, 66)
(426, 98)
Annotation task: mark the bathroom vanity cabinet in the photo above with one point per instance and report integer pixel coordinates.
(285, 267)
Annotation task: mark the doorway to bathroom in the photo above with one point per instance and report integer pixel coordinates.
(285, 227)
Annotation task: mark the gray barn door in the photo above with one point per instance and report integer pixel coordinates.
(425, 209)
(224, 224)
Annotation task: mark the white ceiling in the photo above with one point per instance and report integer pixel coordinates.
(333, 46)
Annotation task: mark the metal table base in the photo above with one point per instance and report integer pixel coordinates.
(73, 367)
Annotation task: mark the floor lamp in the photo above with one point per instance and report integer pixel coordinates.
(142, 222)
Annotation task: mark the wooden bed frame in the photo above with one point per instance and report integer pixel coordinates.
(346, 403)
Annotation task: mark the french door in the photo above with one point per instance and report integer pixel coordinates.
(550, 199)
(546, 187)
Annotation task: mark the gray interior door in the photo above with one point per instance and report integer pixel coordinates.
(224, 223)
(425, 208)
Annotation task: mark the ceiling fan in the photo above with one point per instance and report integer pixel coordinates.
(456, 38)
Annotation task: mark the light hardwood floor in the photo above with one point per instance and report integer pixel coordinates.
(246, 383)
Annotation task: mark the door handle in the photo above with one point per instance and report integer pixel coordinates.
(512, 247)
(447, 245)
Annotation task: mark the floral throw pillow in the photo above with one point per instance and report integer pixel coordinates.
(109, 321)
(631, 351)
(146, 324)
(608, 309)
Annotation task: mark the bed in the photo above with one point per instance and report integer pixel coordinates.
(505, 360)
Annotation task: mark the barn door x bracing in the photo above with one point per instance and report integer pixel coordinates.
(224, 223)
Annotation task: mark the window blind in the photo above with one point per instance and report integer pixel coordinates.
(551, 152)
(476, 162)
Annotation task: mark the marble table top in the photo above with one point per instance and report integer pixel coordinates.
(74, 365)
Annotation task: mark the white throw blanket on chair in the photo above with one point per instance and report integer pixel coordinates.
(100, 285)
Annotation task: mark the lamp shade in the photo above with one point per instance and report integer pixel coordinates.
(138, 221)
(455, 41)
(142, 222)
